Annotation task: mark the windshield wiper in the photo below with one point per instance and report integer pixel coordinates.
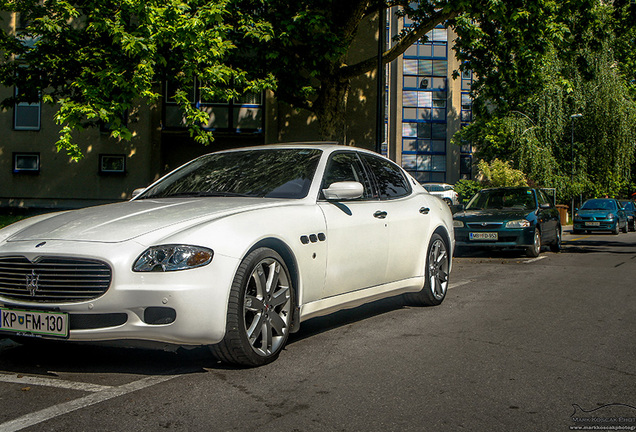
(208, 194)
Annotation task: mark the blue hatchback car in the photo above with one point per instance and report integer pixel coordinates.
(600, 214)
(512, 217)
(630, 211)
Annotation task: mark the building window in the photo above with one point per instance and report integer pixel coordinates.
(466, 115)
(243, 114)
(424, 107)
(112, 164)
(27, 163)
(26, 115)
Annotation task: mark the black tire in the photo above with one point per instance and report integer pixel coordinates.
(616, 229)
(625, 228)
(575, 231)
(448, 201)
(534, 250)
(436, 277)
(259, 311)
(632, 226)
(556, 246)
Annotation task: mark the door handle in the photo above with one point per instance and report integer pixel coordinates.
(425, 210)
(380, 214)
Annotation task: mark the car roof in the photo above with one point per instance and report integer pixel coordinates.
(326, 146)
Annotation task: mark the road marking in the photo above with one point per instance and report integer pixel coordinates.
(92, 399)
(50, 382)
(458, 284)
(534, 259)
(578, 238)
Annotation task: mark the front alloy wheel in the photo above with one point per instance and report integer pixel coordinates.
(535, 249)
(259, 311)
(437, 269)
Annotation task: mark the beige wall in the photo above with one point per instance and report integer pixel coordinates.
(63, 183)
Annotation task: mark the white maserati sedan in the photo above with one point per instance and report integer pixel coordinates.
(232, 250)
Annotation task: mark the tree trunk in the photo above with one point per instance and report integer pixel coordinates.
(331, 109)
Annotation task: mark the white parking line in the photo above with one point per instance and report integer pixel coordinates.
(458, 284)
(92, 399)
(50, 382)
(534, 259)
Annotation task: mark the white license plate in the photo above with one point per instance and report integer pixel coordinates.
(484, 236)
(592, 224)
(34, 323)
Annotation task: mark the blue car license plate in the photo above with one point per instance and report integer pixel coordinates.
(484, 236)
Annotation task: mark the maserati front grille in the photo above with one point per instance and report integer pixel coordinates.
(53, 279)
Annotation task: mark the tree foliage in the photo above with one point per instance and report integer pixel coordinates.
(530, 123)
(500, 174)
(96, 59)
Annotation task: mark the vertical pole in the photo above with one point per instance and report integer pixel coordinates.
(379, 127)
(572, 170)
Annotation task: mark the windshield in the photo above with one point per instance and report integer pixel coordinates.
(599, 204)
(267, 173)
(503, 199)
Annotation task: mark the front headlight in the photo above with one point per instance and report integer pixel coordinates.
(458, 224)
(611, 216)
(523, 223)
(172, 258)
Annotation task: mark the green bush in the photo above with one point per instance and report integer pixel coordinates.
(466, 189)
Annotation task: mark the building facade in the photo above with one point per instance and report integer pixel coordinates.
(424, 107)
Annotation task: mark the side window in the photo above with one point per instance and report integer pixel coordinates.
(346, 166)
(542, 198)
(390, 181)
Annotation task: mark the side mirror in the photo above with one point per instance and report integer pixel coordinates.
(137, 192)
(544, 206)
(347, 190)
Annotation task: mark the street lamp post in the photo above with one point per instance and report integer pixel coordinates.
(572, 117)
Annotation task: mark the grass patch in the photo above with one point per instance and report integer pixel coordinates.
(8, 219)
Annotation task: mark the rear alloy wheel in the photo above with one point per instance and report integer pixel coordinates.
(437, 268)
(535, 249)
(259, 311)
(556, 246)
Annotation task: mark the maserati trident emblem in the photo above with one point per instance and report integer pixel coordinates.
(32, 282)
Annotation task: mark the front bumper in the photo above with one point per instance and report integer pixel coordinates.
(186, 307)
(506, 237)
(598, 225)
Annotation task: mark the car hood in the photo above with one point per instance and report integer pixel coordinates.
(114, 223)
(492, 215)
(595, 213)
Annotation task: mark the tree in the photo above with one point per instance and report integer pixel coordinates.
(97, 59)
(531, 126)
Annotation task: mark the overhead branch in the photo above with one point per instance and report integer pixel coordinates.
(351, 71)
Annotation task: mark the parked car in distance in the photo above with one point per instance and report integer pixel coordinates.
(630, 212)
(514, 217)
(444, 191)
(600, 214)
(233, 250)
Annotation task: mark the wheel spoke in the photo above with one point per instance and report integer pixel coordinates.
(266, 344)
(277, 323)
(260, 280)
(280, 297)
(256, 327)
(272, 277)
(254, 304)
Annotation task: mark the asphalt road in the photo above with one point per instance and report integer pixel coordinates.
(519, 344)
